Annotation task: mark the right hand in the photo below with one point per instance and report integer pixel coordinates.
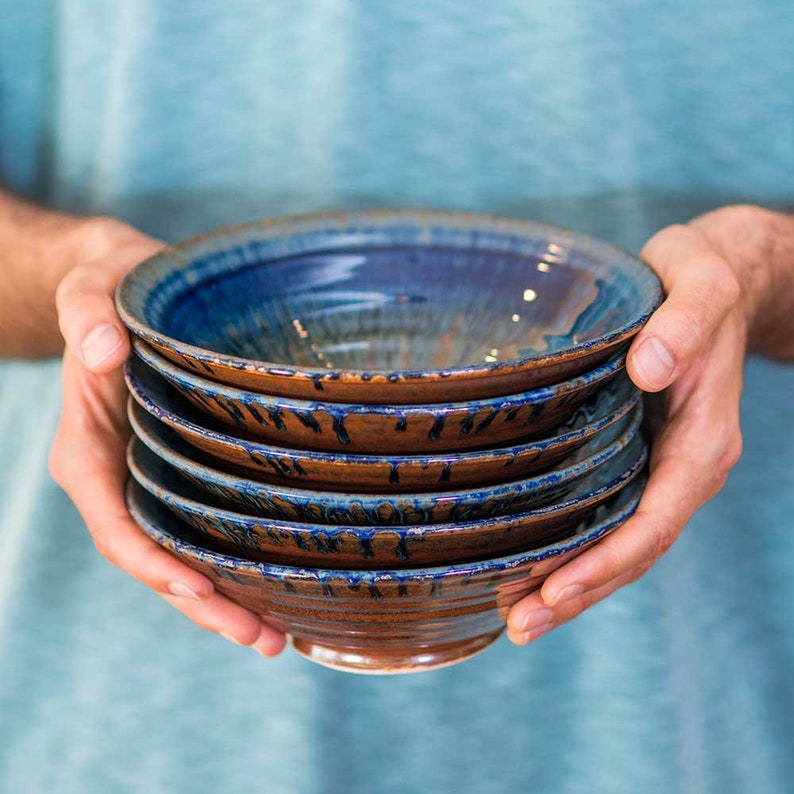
(88, 454)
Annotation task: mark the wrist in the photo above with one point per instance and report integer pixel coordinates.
(758, 244)
(40, 246)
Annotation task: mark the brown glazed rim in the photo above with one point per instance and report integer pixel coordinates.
(180, 255)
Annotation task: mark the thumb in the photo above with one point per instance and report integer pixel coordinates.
(84, 301)
(702, 290)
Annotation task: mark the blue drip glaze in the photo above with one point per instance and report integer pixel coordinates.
(394, 473)
(306, 418)
(437, 429)
(228, 407)
(467, 423)
(256, 415)
(487, 421)
(375, 592)
(401, 550)
(536, 410)
(365, 547)
(339, 429)
(299, 470)
(275, 414)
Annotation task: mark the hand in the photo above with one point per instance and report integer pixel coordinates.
(88, 454)
(714, 275)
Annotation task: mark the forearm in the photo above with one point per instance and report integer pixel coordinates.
(772, 330)
(37, 248)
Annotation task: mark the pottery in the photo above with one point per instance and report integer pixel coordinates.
(392, 621)
(389, 307)
(415, 507)
(385, 429)
(341, 546)
(365, 473)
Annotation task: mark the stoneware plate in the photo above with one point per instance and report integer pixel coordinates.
(272, 500)
(324, 546)
(393, 621)
(389, 307)
(407, 429)
(366, 473)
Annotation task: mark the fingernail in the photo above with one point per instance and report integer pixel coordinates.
(227, 636)
(566, 594)
(536, 619)
(528, 636)
(101, 342)
(653, 362)
(181, 589)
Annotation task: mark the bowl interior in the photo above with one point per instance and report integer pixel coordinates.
(425, 293)
(396, 308)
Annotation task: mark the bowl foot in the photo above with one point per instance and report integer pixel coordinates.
(392, 661)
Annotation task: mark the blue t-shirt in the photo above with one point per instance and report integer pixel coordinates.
(614, 118)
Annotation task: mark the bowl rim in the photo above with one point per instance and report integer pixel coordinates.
(149, 430)
(140, 394)
(363, 576)
(633, 421)
(130, 305)
(170, 372)
(163, 493)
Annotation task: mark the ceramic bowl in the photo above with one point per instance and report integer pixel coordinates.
(380, 621)
(368, 473)
(273, 500)
(384, 429)
(389, 307)
(325, 546)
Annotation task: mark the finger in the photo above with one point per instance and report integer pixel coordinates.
(530, 618)
(234, 623)
(701, 290)
(87, 460)
(689, 464)
(119, 539)
(86, 313)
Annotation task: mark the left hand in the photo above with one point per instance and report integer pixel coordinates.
(694, 347)
(88, 453)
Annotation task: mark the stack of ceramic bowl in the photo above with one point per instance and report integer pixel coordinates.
(380, 430)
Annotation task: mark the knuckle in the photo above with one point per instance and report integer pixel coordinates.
(685, 329)
(661, 239)
(733, 452)
(639, 571)
(729, 456)
(106, 548)
(102, 233)
(664, 535)
(726, 288)
(57, 467)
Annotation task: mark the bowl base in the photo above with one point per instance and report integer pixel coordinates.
(380, 661)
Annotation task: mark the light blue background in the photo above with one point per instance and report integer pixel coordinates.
(612, 117)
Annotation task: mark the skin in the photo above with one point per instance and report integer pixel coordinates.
(729, 277)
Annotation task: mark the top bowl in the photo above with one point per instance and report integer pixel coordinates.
(389, 306)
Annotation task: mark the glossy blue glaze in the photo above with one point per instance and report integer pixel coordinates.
(392, 429)
(386, 295)
(281, 502)
(165, 528)
(408, 508)
(374, 546)
(347, 472)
